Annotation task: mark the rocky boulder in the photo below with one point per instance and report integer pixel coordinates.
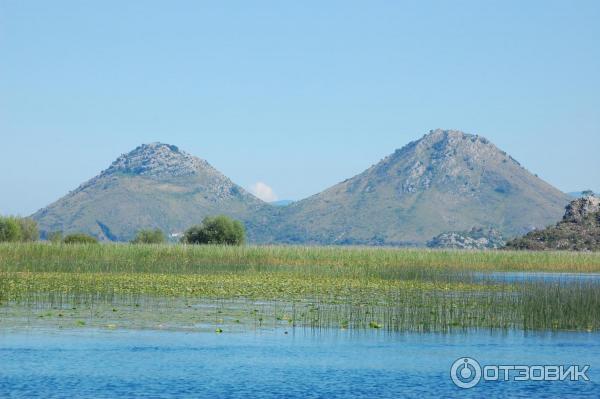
(476, 238)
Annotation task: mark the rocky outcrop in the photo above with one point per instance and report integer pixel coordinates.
(157, 159)
(476, 238)
(579, 230)
(579, 209)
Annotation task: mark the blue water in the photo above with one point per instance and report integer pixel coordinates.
(271, 364)
(518, 277)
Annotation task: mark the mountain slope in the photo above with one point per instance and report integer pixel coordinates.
(446, 181)
(154, 186)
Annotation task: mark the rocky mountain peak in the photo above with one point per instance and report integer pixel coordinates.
(449, 135)
(453, 160)
(443, 141)
(578, 209)
(440, 146)
(158, 160)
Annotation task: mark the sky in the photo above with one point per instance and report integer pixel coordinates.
(288, 98)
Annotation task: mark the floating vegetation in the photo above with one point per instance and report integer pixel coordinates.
(235, 288)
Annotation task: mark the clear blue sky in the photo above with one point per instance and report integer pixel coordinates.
(298, 95)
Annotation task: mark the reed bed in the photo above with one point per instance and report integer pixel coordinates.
(315, 287)
(312, 259)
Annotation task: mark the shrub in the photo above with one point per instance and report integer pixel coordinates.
(80, 238)
(29, 229)
(216, 230)
(55, 237)
(149, 237)
(10, 229)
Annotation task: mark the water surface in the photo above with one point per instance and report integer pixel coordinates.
(542, 277)
(304, 363)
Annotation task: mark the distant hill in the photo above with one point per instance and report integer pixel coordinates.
(154, 186)
(579, 230)
(281, 202)
(446, 181)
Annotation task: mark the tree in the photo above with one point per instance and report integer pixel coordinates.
(216, 230)
(587, 193)
(14, 229)
(10, 230)
(29, 229)
(80, 238)
(149, 237)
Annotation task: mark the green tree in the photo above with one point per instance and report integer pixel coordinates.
(29, 229)
(10, 229)
(216, 230)
(149, 237)
(80, 238)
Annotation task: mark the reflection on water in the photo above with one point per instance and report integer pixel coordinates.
(264, 364)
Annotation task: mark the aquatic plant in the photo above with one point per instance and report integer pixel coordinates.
(319, 260)
(314, 287)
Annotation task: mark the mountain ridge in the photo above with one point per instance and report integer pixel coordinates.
(447, 181)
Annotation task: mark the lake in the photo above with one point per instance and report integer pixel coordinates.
(539, 277)
(303, 363)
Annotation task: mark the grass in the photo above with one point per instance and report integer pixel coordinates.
(317, 287)
(357, 260)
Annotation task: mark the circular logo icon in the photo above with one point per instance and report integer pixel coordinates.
(465, 372)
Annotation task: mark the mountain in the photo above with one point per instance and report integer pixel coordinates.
(154, 186)
(579, 230)
(447, 181)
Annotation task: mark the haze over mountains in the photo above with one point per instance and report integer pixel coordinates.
(446, 181)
